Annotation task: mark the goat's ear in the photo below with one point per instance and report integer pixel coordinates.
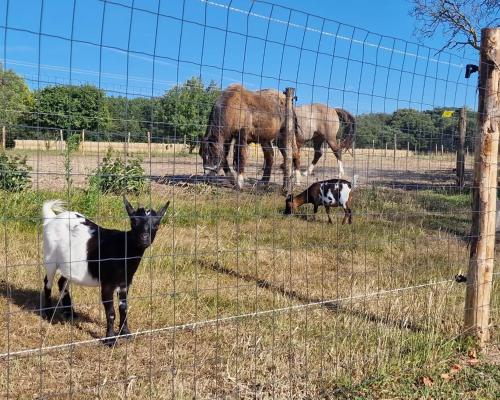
(163, 210)
(128, 206)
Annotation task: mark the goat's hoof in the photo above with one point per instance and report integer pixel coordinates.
(69, 314)
(125, 333)
(109, 341)
(47, 314)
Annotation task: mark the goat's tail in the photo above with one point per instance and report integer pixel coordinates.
(52, 206)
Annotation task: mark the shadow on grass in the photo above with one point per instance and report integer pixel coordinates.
(30, 300)
(251, 185)
(294, 295)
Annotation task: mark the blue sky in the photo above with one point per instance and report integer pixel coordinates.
(341, 53)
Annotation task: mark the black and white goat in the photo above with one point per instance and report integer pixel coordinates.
(89, 255)
(330, 193)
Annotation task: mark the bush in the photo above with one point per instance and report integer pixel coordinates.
(73, 142)
(116, 176)
(14, 173)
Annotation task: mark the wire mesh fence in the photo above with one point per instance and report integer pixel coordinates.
(232, 298)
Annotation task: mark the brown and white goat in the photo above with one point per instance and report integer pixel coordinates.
(330, 193)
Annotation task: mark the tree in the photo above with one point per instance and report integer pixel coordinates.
(131, 115)
(183, 111)
(71, 107)
(17, 100)
(459, 20)
(414, 127)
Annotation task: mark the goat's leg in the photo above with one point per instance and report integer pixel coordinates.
(327, 208)
(313, 217)
(68, 311)
(46, 309)
(267, 149)
(107, 302)
(347, 215)
(122, 308)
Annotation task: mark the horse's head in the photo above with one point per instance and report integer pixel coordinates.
(211, 152)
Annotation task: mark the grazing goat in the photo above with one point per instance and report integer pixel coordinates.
(330, 193)
(89, 255)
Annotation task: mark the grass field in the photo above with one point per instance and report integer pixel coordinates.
(263, 281)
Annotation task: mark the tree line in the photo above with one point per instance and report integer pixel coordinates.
(181, 114)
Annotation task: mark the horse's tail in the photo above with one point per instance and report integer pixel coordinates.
(349, 124)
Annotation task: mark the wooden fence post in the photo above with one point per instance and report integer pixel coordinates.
(395, 150)
(4, 138)
(484, 191)
(127, 145)
(289, 141)
(82, 144)
(149, 143)
(61, 139)
(462, 127)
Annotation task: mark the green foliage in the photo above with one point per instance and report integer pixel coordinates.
(71, 107)
(14, 173)
(17, 101)
(421, 129)
(73, 142)
(116, 176)
(131, 115)
(184, 110)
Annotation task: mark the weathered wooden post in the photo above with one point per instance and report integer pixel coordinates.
(61, 139)
(4, 138)
(395, 150)
(407, 153)
(128, 144)
(82, 145)
(462, 127)
(289, 141)
(484, 191)
(149, 143)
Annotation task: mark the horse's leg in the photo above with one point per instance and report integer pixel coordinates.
(239, 158)
(267, 149)
(295, 159)
(318, 152)
(296, 164)
(337, 151)
(225, 163)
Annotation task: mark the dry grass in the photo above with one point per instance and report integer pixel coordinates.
(396, 314)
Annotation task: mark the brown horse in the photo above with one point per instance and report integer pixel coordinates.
(320, 123)
(246, 117)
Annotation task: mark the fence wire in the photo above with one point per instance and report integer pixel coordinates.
(233, 298)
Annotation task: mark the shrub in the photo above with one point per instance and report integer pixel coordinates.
(14, 173)
(115, 176)
(73, 142)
